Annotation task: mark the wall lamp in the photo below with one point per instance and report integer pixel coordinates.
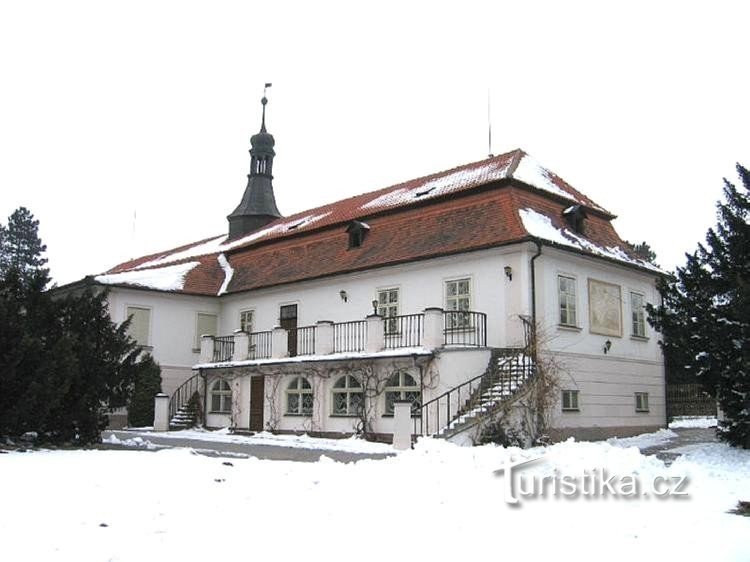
(344, 296)
(375, 307)
(607, 346)
(509, 272)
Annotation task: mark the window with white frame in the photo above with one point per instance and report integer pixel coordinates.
(140, 322)
(247, 320)
(570, 400)
(638, 315)
(566, 289)
(402, 386)
(458, 303)
(299, 397)
(388, 308)
(221, 397)
(641, 401)
(205, 325)
(348, 396)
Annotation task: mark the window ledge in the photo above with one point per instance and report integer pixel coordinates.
(297, 415)
(343, 416)
(227, 413)
(642, 411)
(569, 328)
(639, 338)
(414, 416)
(571, 410)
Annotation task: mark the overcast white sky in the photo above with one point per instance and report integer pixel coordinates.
(110, 110)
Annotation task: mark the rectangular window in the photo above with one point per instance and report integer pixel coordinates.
(570, 400)
(247, 318)
(140, 322)
(641, 401)
(205, 325)
(638, 315)
(458, 302)
(566, 287)
(388, 307)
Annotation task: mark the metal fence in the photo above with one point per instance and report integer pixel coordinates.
(403, 331)
(223, 349)
(260, 345)
(465, 328)
(349, 336)
(689, 400)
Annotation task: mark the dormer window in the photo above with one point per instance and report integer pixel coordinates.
(424, 192)
(357, 231)
(575, 215)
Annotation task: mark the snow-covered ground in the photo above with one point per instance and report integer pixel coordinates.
(350, 445)
(436, 502)
(693, 422)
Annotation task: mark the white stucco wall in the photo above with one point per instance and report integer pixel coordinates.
(607, 383)
(173, 326)
(421, 285)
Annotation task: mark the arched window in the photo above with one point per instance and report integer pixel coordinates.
(299, 397)
(402, 386)
(348, 398)
(221, 397)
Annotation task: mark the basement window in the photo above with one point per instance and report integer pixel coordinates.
(641, 401)
(357, 232)
(575, 215)
(570, 401)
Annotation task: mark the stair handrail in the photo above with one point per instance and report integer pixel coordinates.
(184, 392)
(423, 417)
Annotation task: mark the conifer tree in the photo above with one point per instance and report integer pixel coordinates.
(705, 314)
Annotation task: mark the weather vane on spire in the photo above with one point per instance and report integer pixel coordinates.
(264, 101)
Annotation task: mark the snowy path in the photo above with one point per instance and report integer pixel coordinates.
(263, 446)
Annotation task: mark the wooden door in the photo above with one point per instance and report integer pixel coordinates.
(257, 398)
(288, 321)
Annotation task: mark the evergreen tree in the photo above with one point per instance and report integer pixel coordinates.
(63, 363)
(705, 315)
(21, 250)
(147, 384)
(643, 251)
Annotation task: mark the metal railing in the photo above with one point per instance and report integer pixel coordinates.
(184, 393)
(477, 397)
(465, 328)
(223, 348)
(405, 330)
(349, 336)
(260, 345)
(305, 337)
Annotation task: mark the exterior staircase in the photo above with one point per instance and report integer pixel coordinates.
(185, 405)
(471, 403)
(187, 415)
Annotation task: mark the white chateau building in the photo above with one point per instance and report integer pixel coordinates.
(449, 291)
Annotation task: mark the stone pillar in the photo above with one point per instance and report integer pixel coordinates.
(433, 328)
(324, 337)
(375, 334)
(207, 349)
(279, 343)
(241, 345)
(402, 424)
(161, 412)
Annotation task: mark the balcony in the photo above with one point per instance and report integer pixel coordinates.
(433, 328)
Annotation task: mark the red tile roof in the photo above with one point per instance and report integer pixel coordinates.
(467, 208)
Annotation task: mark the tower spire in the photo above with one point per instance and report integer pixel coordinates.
(264, 101)
(258, 205)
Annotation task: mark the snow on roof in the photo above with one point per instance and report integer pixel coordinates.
(459, 179)
(169, 278)
(540, 225)
(219, 244)
(228, 273)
